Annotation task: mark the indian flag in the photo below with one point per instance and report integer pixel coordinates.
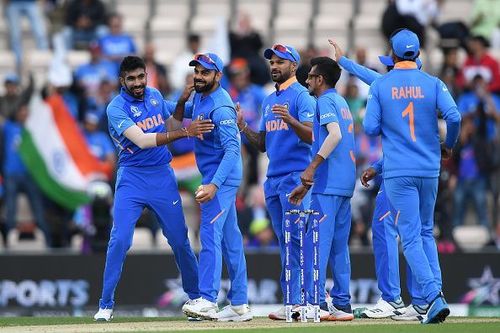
(56, 153)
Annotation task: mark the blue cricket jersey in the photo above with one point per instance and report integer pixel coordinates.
(218, 155)
(286, 151)
(336, 175)
(150, 114)
(402, 107)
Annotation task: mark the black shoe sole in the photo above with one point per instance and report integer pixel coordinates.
(440, 317)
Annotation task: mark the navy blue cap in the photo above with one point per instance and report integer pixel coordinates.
(286, 52)
(208, 60)
(387, 61)
(405, 44)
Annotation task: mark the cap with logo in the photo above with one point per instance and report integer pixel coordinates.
(405, 44)
(208, 60)
(286, 52)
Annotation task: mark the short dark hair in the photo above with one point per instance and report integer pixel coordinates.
(193, 38)
(130, 63)
(328, 69)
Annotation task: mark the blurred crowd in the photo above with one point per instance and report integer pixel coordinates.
(472, 175)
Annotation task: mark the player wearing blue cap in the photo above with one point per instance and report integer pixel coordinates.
(286, 135)
(332, 175)
(402, 108)
(218, 156)
(385, 243)
(138, 119)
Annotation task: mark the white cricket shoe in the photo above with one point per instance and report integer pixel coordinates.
(200, 308)
(234, 313)
(280, 313)
(384, 309)
(339, 315)
(323, 314)
(103, 315)
(412, 313)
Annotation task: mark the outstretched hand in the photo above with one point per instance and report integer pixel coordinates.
(338, 51)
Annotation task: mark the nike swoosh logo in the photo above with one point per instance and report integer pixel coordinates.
(121, 123)
(445, 89)
(408, 46)
(287, 194)
(175, 202)
(310, 115)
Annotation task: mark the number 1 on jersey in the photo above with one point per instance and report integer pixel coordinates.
(409, 112)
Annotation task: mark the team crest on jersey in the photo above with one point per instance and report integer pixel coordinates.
(200, 117)
(266, 111)
(135, 111)
(153, 102)
(287, 105)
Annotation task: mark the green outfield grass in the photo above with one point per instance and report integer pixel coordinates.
(122, 325)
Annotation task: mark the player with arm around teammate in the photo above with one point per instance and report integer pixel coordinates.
(332, 175)
(285, 134)
(137, 124)
(218, 156)
(402, 108)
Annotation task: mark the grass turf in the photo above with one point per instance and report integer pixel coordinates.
(119, 325)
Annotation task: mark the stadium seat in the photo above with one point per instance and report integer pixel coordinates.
(77, 58)
(457, 10)
(211, 8)
(471, 237)
(366, 29)
(142, 240)
(29, 245)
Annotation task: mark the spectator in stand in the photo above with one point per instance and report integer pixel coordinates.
(485, 20)
(472, 177)
(99, 143)
(157, 73)
(17, 178)
(356, 102)
(98, 104)
(90, 76)
(246, 42)
(450, 70)
(85, 22)
(14, 10)
(479, 61)
(179, 69)
(415, 15)
(14, 96)
(117, 44)
(250, 97)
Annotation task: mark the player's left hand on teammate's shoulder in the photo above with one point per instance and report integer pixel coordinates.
(281, 112)
(205, 193)
(298, 193)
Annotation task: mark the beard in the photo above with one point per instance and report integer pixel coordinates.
(137, 91)
(280, 77)
(203, 86)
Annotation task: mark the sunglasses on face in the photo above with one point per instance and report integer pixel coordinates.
(283, 49)
(207, 59)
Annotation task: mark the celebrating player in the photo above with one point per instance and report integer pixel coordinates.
(286, 134)
(137, 118)
(332, 175)
(218, 156)
(402, 108)
(385, 243)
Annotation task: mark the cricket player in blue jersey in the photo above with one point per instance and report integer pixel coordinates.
(218, 156)
(137, 124)
(332, 175)
(285, 133)
(402, 108)
(385, 243)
